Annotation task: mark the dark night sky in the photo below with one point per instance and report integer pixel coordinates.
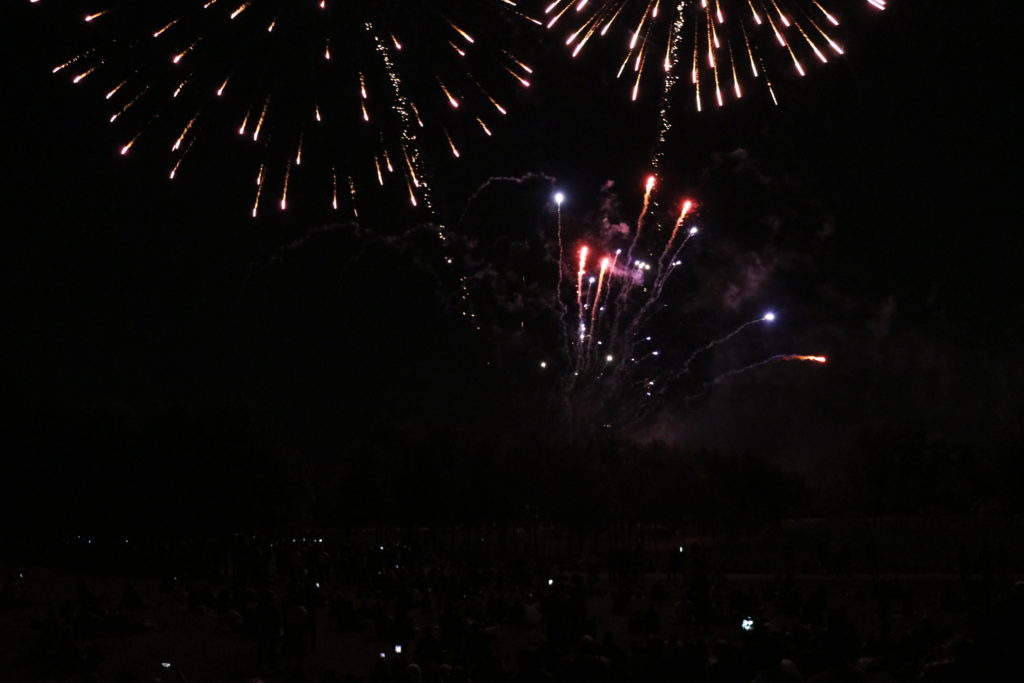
(889, 172)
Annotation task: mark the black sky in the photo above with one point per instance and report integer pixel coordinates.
(878, 196)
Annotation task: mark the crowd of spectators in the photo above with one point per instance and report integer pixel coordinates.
(648, 615)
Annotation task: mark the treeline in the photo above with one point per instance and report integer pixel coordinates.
(216, 469)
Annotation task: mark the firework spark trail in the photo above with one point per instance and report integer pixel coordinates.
(596, 306)
(409, 141)
(778, 358)
(665, 269)
(212, 53)
(563, 309)
(648, 188)
(628, 285)
(671, 78)
(766, 318)
(579, 289)
(684, 211)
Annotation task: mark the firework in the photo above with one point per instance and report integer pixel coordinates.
(613, 331)
(720, 43)
(720, 48)
(306, 90)
(615, 367)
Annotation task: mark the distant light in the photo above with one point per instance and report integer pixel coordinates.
(559, 198)
(543, 364)
(768, 317)
(608, 358)
(693, 230)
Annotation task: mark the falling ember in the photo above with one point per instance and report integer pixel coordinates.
(451, 99)
(241, 8)
(81, 76)
(334, 188)
(468, 38)
(181, 55)
(159, 32)
(497, 105)
(259, 122)
(352, 196)
(284, 189)
(451, 144)
(184, 132)
(256, 204)
(125, 149)
(113, 92)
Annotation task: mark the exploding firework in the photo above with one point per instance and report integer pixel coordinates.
(623, 354)
(720, 44)
(719, 48)
(326, 95)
